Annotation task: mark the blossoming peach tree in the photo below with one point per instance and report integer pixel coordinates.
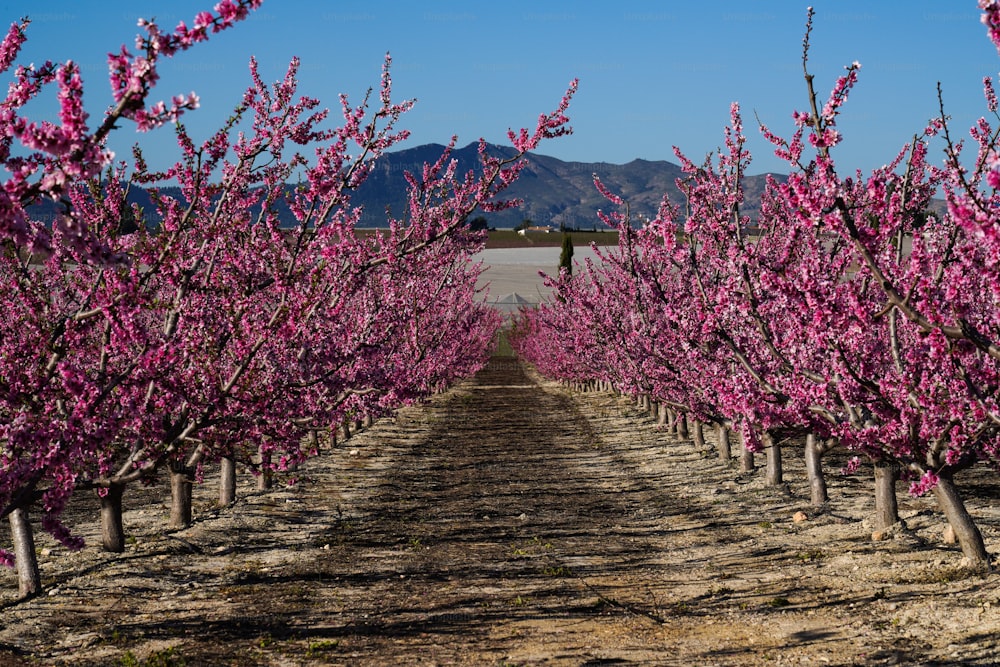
(56, 317)
(850, 314)
(216, 331)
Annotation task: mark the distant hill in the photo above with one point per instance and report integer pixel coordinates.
(555, 192)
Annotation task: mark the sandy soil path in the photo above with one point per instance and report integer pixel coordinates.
(512, 522)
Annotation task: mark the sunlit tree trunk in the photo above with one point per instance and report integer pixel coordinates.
(698, 433)
(29, 579)
(227, 481)
(181, 491)
(814, 471)
(725, 447)
(746, 457)
(773, 473)
(886, 505)
(112, 527)
(682, 426)
(265, 479)
(968, 534)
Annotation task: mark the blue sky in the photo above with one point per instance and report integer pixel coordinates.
(652, 74)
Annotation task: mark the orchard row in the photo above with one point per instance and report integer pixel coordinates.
(129, 351)
(847, 315)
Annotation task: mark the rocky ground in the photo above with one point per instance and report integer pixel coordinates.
(513, 522)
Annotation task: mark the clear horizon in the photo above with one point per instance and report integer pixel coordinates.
(652, 75)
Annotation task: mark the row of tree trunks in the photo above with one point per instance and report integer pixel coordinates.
(887, 475)
(182, 480)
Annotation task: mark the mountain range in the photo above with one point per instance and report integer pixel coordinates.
(555, 193)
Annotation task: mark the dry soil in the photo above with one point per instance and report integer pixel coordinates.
(511, 521)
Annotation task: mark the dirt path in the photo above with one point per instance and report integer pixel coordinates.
(512, 522)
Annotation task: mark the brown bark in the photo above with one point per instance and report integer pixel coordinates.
(682, 426)
(698, 433)
(671, 421)
(29, 579)
(725, 446)
(886, 505)
(773, 473)
(227, 481)
(265, 480)
(112, 528)
(814, 471)
(746, 457)
(181, 488)
(966, 531)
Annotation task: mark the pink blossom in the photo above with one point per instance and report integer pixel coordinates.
(925, 484)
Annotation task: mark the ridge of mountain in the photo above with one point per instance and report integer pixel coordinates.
(554, 192)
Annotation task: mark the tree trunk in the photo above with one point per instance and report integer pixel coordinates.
(347, 430)
(682, 426)
(264, 480)
(725, 447)
(698, 434)
(773, 474)
(966, 531)
(814, 471)
(227, 481)
(662, 415)
(29, 579)
(112, 528)
(671, 421)
(181, 489)
(746, 457)
(886, 506)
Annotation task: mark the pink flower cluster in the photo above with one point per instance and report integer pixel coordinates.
(991, 19)
(51, 155)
